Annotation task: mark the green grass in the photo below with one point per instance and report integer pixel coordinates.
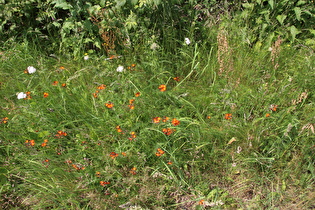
(249, 162)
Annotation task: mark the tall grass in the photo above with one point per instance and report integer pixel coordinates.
(245, 137)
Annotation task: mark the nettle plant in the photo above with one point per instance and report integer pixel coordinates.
(267, 19)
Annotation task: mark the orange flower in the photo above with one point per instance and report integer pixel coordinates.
(45, 94)
(169, 163)
(133, 171)
(228, 116)
(201, 202)
(119, 130)
(104, 183)
(28, 95)
(175, 122)
(101, 87)
(30, 142)
(131, 101)
(113, 155)
(162, 88)
(124, 154)
(208, 117)
(176, 79)
(165, 119)
(131, 106)
(98, 174)
(133, 65)
(267, 115)
(46, 160)
(156, 119)
(61, 67)
(95, 95)
(137, 94)
(60, 134)
(109, 105)
(44, 144)
(159, 152)
(4, 120)
(168, 131)
(132, 136)
(55, 83)
(273, 107)
(63, 84)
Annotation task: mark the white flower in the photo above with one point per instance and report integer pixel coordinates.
(31, 70)
(120, 69)
(21, 95)
(86, 57)
(187, 41)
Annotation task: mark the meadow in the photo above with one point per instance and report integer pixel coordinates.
(202, 122)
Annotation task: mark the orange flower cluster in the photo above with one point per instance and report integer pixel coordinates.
(78, 167)
(44, 144)
(228, 116)
(159, 152)
(119, 130)
(109, 105)
(132, 67)
(273, 107)
(30, 142)
(55, 83)
(113, 155)
(159, 119)
(162, 88)
(168, 131)
(132, 136)
(60, 134)
(131, 105)
(133, 171)
(176, 79)
(28, 95)
(4, 120)
(268, 115)
(103, 183)
(100, 87)
(45, 94)
(175, 122)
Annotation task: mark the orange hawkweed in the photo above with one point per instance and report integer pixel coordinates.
(162, 88)
(268, 115)
(175, 122)
(131, 101)
(61, 67)
(30, 142)
(159, 152)
(28, 95)
(109, 105)
(156, 119)
(63, 85)
(119, 130)
(45, 94)
(168, 131)
(101, 87)
(133, 171)
(133, 65)
(113, 155)
(176, 79)
(228, 116)
(273, 107)
(137, 94)
(103, 183)
(55, 83)
(95, 95)
(98, 174)
(60, 134)
(165, 119)
(4, 120)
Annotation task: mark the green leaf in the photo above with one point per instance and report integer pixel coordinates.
(298, 12)
(281, 18)
(271, 3)
(294, 31)
(61, 4)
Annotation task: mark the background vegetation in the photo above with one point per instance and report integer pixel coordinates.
(123, 112)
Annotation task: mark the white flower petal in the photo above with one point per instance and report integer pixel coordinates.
(120, 69)
(21, 95)
(31, 70)
(187, 41)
